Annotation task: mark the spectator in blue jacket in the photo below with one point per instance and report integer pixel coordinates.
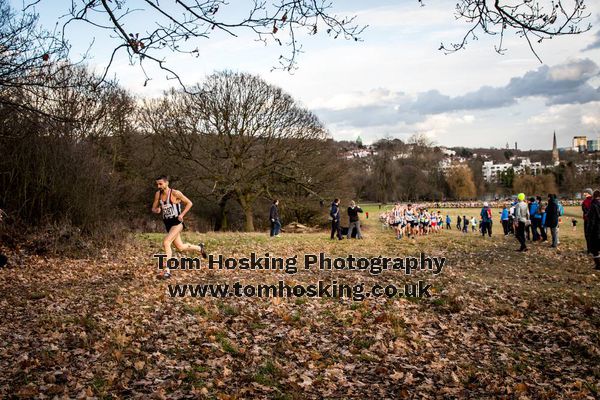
(486, 219)
(504, 220)
(532, 234)
(544, 209)
(538, 220)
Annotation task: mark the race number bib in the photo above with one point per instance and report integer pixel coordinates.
(168, 211)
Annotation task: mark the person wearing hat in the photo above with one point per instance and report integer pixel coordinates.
(486, 219)
(585, 207)
(522, 219)
(593, 228)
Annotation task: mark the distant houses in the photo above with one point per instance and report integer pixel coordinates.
(492, 170)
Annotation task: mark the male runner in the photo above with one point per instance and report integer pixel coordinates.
(411, 222)
(168, 201)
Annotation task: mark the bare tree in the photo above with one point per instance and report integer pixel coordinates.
(30, 58)
(174, 26)
(533, 20)
(241, 134)
(51, 169)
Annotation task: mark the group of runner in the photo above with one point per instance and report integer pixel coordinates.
(413, 220)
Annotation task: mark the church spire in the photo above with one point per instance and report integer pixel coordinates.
(555, 159)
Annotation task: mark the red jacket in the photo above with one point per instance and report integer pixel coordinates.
(585, 206)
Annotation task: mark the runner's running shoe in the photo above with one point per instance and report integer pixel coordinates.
(202, 250)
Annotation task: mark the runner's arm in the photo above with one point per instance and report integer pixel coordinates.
(187, 202)
(155, 207)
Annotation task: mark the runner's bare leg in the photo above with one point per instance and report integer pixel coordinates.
(181, 246)
(171, 236)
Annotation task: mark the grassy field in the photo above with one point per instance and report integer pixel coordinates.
(499, 324)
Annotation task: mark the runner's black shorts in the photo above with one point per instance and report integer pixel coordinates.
(171, 222)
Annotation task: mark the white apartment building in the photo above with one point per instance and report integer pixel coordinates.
(534, 167)
(491, 171)
(447, 165)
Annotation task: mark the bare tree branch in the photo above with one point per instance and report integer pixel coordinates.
(538, 19)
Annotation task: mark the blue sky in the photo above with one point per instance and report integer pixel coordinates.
(396, 82)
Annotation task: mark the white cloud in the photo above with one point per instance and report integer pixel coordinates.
(436, 126)
(574, 70)
(591, 120)
(356, 99)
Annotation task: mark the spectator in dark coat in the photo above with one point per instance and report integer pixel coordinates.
(354, 221)
(274, 218)
(593, 228)
(585, 207)
(551, 221)
(334, 216)
(3, 258)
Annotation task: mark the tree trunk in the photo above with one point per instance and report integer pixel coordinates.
(249, 223)
(221, 221)
(246, 204)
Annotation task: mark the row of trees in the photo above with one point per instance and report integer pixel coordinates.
(80, 150)
(402, 171)
(411, 171)
(91, 152)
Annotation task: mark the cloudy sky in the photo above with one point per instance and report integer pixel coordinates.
(396, 82)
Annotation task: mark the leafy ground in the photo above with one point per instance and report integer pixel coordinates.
(500, 324)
